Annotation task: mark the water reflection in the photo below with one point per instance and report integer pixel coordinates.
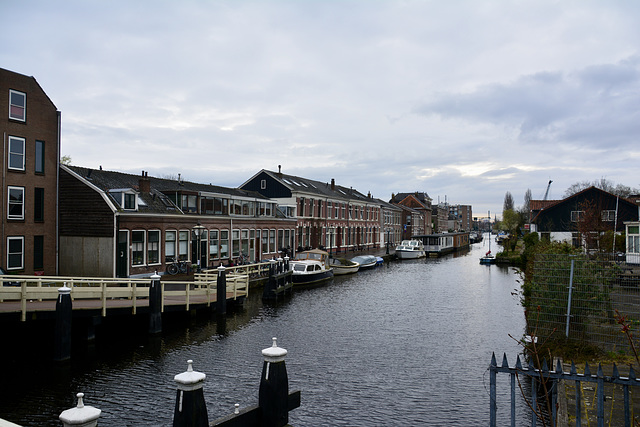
(408, 343)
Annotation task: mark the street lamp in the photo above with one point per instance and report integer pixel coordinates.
(387, 230)
(197, 230)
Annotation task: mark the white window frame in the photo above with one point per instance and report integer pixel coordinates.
(20, 140)
(170, 243)
(608, 215)
(9, 216)
(576, 216)
(149, 247)
(183, 245)
(142, 249)
(9, 253)
(23, 118)
(263, 184)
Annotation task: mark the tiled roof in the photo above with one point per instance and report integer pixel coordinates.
(323, 189)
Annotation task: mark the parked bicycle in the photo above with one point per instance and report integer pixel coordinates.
(242, 259)
(177, 266)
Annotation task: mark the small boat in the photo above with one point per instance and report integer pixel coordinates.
(379, 260)
(310, 267)
(488, 258)
(365, 261)
(343, 266)
(410, 249)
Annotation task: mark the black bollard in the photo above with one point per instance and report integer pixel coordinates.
(273, 397)
(221, 292)
(155, 305)
(190, 409)
(64, 314)
(286, 263)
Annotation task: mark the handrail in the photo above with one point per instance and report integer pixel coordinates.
(25, 289)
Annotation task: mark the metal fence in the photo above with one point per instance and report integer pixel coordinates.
(578, 295)
(575, 398)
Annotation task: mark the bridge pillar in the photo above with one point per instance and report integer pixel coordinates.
(155, 305)
(221, 292)
(190, 409)
(273, 396)
(62, 335)
(81, 415)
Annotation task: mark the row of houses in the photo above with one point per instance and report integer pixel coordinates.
(71, 220)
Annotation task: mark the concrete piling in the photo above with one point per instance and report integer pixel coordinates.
(62, 336)
(190, 409)
(81, 415)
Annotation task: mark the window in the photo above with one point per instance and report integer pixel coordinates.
(137, 247)
(224, 243)
(244, 246)
(213, 244)
(272, 240)
(265, 241)
(38, 204)
(235, 243)
(129, 201)
(263, 184)
(38, 252)
(183, 246)
(39, 168)
(16, 153)
(17, 105)
(16, 203)
(189, 203)
(576, 216)
(153, 247)
(609, 215)
(15, 253)
(169, 245)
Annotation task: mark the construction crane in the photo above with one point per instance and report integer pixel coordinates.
(547, 192)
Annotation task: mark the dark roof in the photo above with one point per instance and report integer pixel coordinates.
(297, 183)
(155, 200)
(422, 196)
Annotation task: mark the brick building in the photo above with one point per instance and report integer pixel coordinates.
(30, 126)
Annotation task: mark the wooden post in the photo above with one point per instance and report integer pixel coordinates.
(81, 415)
(64, 314)
(274, 387)
(155, 305)
(190, 409)
(221, 292)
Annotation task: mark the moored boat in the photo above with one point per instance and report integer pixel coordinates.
(410, 249)
(365, 261)
(342, 266)
(311, 267)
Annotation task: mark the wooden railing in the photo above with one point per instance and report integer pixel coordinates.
(44, 290)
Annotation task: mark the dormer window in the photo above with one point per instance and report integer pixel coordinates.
(17, 105)
(126, 198)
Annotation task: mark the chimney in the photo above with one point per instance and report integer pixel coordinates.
(369, 195)
(144, 185)
(333, 184)
(280, 171)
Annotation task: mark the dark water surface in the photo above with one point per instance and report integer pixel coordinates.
(408, 343)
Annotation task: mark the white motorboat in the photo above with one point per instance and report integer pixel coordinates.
(410, 249)
(343, 266)
(311, 267)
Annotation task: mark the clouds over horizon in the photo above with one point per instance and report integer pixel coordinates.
(457, 99)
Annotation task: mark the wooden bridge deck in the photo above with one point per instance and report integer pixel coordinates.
(33, 294)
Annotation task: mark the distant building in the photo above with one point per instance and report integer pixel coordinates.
(30, 125)
(418, 222)
(328, 215)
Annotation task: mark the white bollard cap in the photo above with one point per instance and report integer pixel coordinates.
(84, 416)
(274, 353)
(190, 380)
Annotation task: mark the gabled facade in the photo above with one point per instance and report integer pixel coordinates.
(114, 224)
(30, 125)
(418, 217)
(328, 215)
(593, 208)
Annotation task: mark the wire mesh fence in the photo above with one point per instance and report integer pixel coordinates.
(578, 295)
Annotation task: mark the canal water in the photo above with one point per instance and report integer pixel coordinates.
(407, 343)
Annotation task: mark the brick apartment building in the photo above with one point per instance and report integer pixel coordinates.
(30, 126)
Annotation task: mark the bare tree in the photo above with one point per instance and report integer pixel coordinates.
(508, 202)
(603, 184)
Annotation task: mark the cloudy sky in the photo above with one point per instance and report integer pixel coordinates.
(464, 100)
